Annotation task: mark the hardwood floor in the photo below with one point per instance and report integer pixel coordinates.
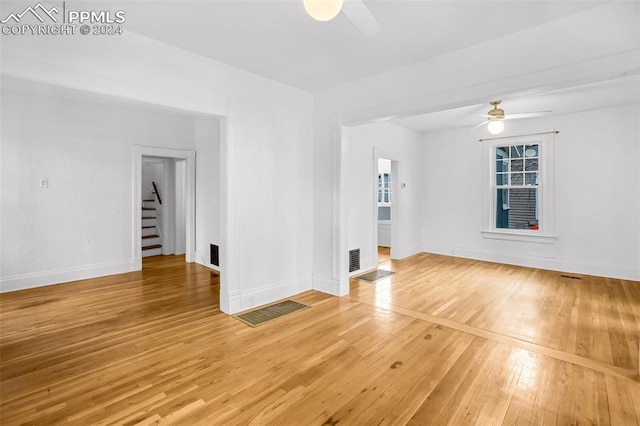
(444, 341)
(384, 254)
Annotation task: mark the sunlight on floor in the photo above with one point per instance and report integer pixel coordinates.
(383, 293)
(527, 363)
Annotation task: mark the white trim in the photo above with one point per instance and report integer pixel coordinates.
(408, 251)
(45, 278)
(546, 210)
(394, 158)
(374, 233)
(205, 263)
(327, 286)
(230, 134)
(267, 294)
(541, 262)
(396, 250)
(341, 215)
(515, 235)
(190, 209)
(366, 265)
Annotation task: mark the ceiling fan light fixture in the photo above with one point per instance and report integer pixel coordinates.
(495, 126)
(323, 10)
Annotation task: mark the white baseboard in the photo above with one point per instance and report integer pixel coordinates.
(247, 299)
(403, 252)
(325, 285)
(365, 265)
(209, 265)
(550, 263)
(41, 279)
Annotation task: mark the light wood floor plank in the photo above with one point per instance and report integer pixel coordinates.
(444, 341)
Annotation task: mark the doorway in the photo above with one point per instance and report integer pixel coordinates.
(163, 206)
(172, 196)
(386, 207)
(383, 209)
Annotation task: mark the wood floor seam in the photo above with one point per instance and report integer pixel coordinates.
(598, 366)
(500, 345)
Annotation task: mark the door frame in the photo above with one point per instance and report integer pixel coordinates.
(190, 202)
(395, 194)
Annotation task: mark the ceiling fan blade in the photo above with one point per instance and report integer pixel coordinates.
(360, 15)
(480, 125)
(527, 114)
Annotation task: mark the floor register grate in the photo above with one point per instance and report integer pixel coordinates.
(269, 313)
(374, 276)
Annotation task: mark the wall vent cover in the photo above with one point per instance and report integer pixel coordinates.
(354, 260)
(214, 254)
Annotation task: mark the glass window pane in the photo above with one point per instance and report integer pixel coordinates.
(531, 165)
(517, 208)
(502, 179)
(502, 166)
(517, 151)
(502, 152)
(531, 151)
(516, 179)
(531, 178)
(516, 165)
(384, 213)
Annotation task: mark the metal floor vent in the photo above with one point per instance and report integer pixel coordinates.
(269, 313)
(374, 276)
(354, 260)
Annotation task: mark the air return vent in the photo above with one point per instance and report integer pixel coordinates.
(354, 260)
(214, 255)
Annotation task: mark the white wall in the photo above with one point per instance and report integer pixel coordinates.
(152, 171)
(364, 145)
(81, 225)
(384, 165)
(267, 153)
(181, 199)
(597, 195)
(208, 229)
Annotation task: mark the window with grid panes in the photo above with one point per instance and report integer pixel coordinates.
(517, 187)
(384, 188)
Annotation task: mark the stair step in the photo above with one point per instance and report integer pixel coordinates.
(154, 246)
(148, 217)
(148, 226)
(149, 201)
(148, 208)
(150, 236)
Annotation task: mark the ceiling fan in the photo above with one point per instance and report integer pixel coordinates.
(357, 12)
(496, 116)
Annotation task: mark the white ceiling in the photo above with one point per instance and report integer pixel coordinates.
(276, 38)
(610, 93)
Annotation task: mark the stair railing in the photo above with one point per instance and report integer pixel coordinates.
(156, 192)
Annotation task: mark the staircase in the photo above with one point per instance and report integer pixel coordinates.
(151, 235)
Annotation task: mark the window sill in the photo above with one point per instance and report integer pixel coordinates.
(526, 236)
